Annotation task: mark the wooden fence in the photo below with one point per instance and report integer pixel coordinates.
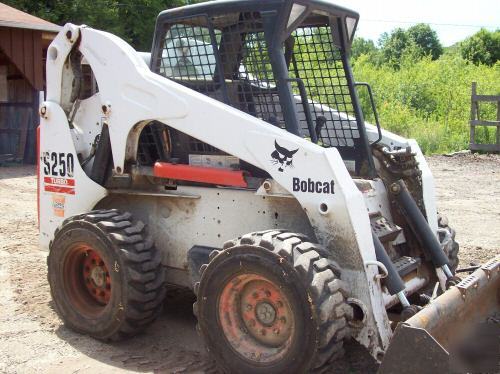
(476, 121)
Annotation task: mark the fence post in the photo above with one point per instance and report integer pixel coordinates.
(473, 108)
(498, 124)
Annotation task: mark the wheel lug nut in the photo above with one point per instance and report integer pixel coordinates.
(268, 293)
(276, 331)
(249, 307)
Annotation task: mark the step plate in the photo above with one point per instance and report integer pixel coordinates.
(405, 265)
(385, 230)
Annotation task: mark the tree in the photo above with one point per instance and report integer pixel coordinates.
(426, 39)
(132, 20)
(138, 19)
(393, 46)
(416, 42)
(362, 46)
(482, 48)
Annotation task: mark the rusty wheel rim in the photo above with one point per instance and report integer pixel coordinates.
(256, 318)
(87, 279)
(96, 275)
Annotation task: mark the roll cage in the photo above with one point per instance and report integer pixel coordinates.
(283, 61)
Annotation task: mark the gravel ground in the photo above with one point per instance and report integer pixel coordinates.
(33, 340)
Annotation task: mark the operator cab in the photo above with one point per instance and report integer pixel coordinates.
(285, 62)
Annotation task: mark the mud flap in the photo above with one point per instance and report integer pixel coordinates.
(452, 322)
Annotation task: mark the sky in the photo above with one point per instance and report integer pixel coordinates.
(452, 20)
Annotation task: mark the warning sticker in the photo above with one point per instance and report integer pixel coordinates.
(58, 204)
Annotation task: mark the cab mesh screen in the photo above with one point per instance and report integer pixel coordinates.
(231, 64)
(318, 63)
(236, 71)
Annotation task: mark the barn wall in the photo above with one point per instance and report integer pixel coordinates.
(18, 110)
(24, 48)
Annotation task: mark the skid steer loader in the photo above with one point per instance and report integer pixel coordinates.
(234, 160)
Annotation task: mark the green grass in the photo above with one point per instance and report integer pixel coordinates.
(429, 100)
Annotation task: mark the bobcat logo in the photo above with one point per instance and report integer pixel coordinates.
(282, 156)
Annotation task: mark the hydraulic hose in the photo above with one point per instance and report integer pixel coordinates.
(393, 281)
(419, 224)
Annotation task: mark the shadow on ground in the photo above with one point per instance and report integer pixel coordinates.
(171, 345)
(12, 171)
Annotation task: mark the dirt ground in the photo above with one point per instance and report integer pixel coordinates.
(33, 340)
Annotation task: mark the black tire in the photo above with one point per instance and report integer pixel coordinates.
(125, 286)
(308, 283)
(453, 247)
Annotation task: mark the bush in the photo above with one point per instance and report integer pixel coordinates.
(482, 48)
(361, 46)
(428, 100)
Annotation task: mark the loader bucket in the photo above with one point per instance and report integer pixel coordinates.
(462, 321)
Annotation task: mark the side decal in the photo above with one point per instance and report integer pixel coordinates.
(282, 156)
(312, 186)
(58, 164)
(58, 170)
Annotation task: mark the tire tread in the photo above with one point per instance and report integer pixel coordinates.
(144, 272)
(319, 275)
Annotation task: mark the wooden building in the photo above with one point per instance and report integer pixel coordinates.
(23, 45)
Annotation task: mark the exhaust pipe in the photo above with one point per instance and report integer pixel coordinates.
(427, 342)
